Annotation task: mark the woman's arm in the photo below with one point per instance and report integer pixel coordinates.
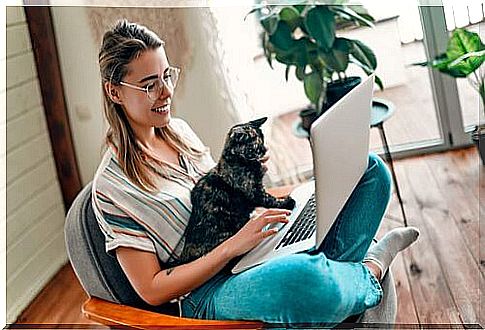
(157, 286)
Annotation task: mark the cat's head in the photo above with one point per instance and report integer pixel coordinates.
(245, 142)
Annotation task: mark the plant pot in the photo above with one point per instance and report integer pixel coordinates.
(478, 137)
(337, 89)
(308, 116)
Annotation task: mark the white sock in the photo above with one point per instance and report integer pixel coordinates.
(383, 253)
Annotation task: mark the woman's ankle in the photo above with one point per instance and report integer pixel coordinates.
(374, 269)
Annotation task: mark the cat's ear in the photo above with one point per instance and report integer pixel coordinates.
(258, 122)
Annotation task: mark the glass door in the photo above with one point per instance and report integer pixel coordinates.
(470, 16)
(398, 40)
(456, 100)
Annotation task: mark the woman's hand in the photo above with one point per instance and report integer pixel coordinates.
(252, 233)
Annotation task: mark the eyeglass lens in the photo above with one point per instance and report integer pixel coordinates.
(169, 80)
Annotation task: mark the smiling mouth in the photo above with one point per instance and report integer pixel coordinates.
(162, 109)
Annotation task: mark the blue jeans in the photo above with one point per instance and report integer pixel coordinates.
(324, 286)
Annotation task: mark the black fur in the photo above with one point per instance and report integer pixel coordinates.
(224, 198)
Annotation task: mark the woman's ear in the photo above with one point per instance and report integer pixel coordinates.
(113, 92)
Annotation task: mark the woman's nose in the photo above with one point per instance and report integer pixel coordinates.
(167, 91)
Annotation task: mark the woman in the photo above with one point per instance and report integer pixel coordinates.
(141, 197)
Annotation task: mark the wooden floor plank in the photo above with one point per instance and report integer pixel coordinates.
(461, 272)
(59, 302)
(462, 203)
(433, 300)
(467, 162)
(407, 313)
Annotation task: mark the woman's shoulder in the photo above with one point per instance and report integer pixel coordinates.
(181, 126)
(109, 176)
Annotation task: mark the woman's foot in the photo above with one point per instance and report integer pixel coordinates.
(380, 256)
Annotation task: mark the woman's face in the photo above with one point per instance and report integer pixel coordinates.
(139, 108)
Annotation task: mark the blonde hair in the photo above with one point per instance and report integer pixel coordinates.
(122, 44)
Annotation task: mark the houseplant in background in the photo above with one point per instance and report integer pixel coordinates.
(305, 37)
(464, 56)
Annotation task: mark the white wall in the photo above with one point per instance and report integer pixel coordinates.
(82, 85)
(203, 99)
(206, 101)
(35, 211)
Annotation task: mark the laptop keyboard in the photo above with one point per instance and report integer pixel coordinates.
(303, 227)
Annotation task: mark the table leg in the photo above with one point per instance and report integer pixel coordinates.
(391, 165)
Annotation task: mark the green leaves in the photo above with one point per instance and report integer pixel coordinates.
(464, 42)
(320, 23)
(300, 73)
(304, 35)
(350, 15)
(465, 53)
(337, 59)
(442, 63)
(291, 16)
(363, 54)
(269, 23)
(281, 38)
(313, 84)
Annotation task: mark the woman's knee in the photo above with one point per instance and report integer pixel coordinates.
(311, 282)
(378, 172)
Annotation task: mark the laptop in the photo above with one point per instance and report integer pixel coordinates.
(340, 145)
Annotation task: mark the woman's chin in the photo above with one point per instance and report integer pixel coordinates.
(164, 119)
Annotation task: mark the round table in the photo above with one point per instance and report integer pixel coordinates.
(381, 111)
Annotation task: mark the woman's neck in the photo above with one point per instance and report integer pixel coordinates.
(158, 148)
(147, 138)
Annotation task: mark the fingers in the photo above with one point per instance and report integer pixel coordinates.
(260, 213)
(275, 218)
(268, 233)
(269, 212)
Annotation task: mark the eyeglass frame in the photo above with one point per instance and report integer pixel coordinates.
(164, 84)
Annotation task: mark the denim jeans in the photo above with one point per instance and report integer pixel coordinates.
(324, 286)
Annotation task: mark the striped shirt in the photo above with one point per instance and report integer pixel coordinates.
(155, 222)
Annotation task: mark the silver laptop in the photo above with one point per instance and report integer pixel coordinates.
(340, 147)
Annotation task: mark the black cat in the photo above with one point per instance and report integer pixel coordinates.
(223, 199)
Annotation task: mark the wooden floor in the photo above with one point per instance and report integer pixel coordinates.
(439, 280)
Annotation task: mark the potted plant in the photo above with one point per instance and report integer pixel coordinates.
(464, 55)
(305, 37)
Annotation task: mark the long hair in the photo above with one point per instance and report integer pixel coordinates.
(122, 44)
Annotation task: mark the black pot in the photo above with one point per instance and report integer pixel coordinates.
(478, 137)
(308, 116)
(337, 89)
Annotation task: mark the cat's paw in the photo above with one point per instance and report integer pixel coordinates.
(288, 203)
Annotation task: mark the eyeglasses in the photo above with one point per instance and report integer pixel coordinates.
(155, 88)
